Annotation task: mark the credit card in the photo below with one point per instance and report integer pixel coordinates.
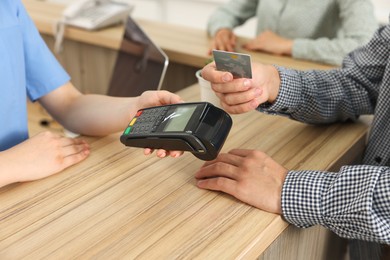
(239, 64)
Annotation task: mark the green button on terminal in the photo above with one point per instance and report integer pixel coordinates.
(127, 131)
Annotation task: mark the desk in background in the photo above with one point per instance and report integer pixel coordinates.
(89, 57)
(120, 204)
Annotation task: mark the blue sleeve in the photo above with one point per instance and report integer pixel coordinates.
(43, 71)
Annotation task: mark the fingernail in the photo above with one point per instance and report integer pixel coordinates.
(227, 77)
(247, 83)
(254, 103)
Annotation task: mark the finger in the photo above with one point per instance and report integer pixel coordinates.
(175, 154)
(218, 184)
(70, 150)
(251, 45)
(220, 45)
(75, 158)
(66, 141)
(225, 165)
(166, 98)
(232, 86)
(242, 97)
(222, 42)
(229, 41)
(248, 47)
(207, 163)
(230, 158)
(241, 108)
(226, 44)
(229, 46)
(161, 153)
(241, 152)
(218, 169)
(222, 157)
(148, 151)
(215, 44)
(233, 40)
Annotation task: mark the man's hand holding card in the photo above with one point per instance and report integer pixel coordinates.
(243, 92)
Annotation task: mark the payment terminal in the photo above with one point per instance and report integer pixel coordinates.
(199, 128)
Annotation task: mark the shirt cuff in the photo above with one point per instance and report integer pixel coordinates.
(299, 49)
(289, 96)
(302, 196)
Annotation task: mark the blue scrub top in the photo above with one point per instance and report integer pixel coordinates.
(28, 69)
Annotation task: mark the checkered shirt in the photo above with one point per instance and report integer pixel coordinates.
(355, 202)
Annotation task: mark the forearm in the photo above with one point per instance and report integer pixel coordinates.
(91, 114)
(324, 50)
(99, 115)
(354, 203)
(7, 173)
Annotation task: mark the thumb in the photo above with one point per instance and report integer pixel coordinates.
(210, 73)
(166, 98)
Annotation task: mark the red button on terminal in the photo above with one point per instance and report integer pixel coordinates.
(139, 113)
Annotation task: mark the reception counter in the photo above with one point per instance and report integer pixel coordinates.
(120, 204)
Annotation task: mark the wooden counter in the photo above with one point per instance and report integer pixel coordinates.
(120, 204)
(89, 56)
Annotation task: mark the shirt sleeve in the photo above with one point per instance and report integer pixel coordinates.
(358, 23)
(327, 96)
(231, 15)
(354, 203)
(319, 97)
(43, 71)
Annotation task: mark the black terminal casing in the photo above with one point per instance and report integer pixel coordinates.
(203, 135)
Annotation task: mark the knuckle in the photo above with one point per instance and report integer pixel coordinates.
(219, 166)
(241, 109)
(220, 182)
(256, 153)
(59, 159)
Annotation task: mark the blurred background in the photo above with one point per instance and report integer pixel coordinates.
(195, 13)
